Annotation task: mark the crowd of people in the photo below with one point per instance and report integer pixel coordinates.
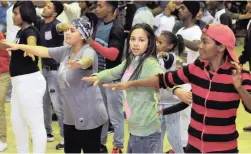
(164, 67)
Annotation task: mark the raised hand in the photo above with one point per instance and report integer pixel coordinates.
(94, 79)
(117, 86)
(236, 76)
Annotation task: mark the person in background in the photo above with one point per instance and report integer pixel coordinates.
(12, 29)
(11, 32)
(206, 16)
(51, 32)
(87, 7)
(28, 83)
(84, 109)
(165, 21)
(168, 46)
(4, 5)
(223, 15)
(212, 127)
(143, 14)
(4, 83)
(246, 53)
(130, 11)
(191, 34)
(154, 7)
(199, 15)
(109, 44)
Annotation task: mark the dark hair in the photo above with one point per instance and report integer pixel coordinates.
(114, 4)
(150, 51)
(177, 41)
(93, 18)
(226, 54)
(202, 6)
(27, 11)
(58, 6)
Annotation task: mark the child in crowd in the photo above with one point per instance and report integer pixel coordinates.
(168, 46)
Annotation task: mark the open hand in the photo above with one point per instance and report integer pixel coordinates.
(183, 95)
(72, 64)
(94, 79)
(237, 79)
(117, 86)
(9, 46)
(29, 55)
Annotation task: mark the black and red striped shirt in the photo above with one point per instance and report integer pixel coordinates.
(215, 101)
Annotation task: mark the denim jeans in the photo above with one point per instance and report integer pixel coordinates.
(52, 96)
(144, 144)
(114, 105)
(170, 124)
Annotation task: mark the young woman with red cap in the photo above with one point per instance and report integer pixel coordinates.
(217, 87)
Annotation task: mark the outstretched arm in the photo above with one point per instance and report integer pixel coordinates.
(35, 50)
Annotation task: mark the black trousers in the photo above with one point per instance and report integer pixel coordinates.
(192, 149)
(86, 140)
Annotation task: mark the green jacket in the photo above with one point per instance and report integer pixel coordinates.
(142, 101)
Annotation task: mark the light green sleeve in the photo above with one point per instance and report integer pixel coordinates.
(111, 74)
(151, 67)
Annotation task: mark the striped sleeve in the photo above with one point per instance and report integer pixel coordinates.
(179, 77)
(246, 83)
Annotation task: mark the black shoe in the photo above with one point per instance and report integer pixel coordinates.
(60, 146)
(103, 149)
(50, 138)
(248, 129)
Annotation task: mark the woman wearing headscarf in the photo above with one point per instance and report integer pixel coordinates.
(84, 110)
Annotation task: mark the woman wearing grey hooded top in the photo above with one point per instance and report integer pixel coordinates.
(84, 110)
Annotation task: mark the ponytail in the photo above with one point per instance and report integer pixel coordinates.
(177, 41)
(180, 45)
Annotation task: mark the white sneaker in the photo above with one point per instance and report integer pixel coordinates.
(3, 146)
(50, 138)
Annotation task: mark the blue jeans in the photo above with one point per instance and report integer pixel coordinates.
(52, 96)
(144, 144)
(170, 124)
(114, 105)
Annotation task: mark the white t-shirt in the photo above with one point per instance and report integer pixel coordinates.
(191, 34)
(163, 23)
(218, 15)
(143, 15)
(11, 28)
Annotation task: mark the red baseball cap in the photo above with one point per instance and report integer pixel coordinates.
(224, 35)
